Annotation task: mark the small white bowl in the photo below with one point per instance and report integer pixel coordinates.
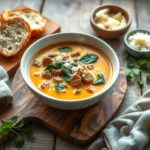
(65, 37)
(131, 50)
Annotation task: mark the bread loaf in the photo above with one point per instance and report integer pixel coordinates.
(35, 20)
(4, 16)
(14, 35)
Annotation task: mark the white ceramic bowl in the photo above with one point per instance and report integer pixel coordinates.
(63, 37)
(132, 51)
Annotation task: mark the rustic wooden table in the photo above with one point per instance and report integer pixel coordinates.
(73, 16)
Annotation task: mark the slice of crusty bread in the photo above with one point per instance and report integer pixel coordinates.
(14, 35)
(36, 21)
(4, 16)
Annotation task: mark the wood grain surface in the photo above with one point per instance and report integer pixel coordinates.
(11, 64)
(79, 126)
(73, 16)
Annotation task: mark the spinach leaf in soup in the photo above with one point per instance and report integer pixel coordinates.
(65, 49)
(59, 87)
(100, 79)
(55, 65)
(52, 55)
(67, 73)
(88, 59)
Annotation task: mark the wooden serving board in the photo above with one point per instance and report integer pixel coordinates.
(11, 64)
(78, 126)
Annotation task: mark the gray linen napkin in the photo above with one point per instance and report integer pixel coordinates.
(130, 131)
(6, 95)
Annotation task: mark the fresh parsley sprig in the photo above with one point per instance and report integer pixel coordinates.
(132, 74)
(16, 133)
(141, 64)
(148, 78)
(130, 64)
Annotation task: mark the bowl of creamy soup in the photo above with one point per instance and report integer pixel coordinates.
(70, 70)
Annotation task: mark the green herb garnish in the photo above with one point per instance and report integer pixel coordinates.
(65, 49)
(52, 55)
(136, 71)
(133, 73)
(148, 78)
(140, 83)
(88, 59)
(55, 65)
(15, 132)
(130, 64)
(130, 76)
(59, 87)
(100, 79)
(66, 73)
(144, 64)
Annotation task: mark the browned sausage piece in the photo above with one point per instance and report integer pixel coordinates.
(56, 72)
(46, 74)
(46, 60)
(75, 59)
(36, 63)
(87, 78)
(75, 80)
(80, 71)
(43, 85)
(90, 67)
(75, 54)
(57, 79)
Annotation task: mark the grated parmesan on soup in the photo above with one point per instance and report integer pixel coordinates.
(139, 41)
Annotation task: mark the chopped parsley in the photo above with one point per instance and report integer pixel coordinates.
(132, 74)
(15, 132)
(148, 78)
(140, 83)
(130, 64)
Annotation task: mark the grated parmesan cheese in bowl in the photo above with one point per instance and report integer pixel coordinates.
(139, 41)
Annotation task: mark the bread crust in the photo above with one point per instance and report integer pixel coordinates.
(36, 31)
(25, 40)
(4, 16)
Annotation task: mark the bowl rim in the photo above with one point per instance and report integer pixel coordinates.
(134, 31)
(33, 88)
(109, 5)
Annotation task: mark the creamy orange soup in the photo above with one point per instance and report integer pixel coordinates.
(90, 70)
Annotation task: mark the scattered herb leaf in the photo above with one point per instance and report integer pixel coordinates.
(130, 64)
(52, 55)
(131, 75)
(88, 59)
(143, 64)
(5, 128)
(136, 71)
(19, 142)
(12, 120)
(66, 73)
(100, 79)
(15, 132)
(21, 125)
(148, 78)
(140, 83)
(59, 87)
(65, 49)
(55, 65)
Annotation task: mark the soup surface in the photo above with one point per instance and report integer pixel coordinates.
(70, 71)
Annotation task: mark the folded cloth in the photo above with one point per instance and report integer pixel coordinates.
(6, 95)
(130, 131)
